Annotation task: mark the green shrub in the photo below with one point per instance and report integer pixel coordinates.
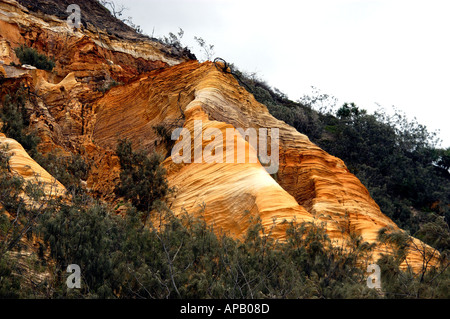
(142, 178)
(427, 282)
(395, 158)
(88, 237)
(18, 221)
(30, 56)
(184, 257)
(68, 170)
(16, 121)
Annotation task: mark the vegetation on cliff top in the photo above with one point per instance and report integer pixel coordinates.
(397, 159)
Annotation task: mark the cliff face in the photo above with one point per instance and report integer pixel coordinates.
(22, 164)
(95, 54)
(159, 87)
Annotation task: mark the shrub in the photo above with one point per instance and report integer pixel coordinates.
(18, 223)
(184, 257)
(68, 170)
(88, 237)
(16, 120)
(30, 56)
(142, 179)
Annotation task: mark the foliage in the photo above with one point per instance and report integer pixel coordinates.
(142, 179)
(174, 45)
(108, 85)
(68, 170)
(298, 115)
(349, 111)
(174, 40)
(208, 49)
(18, 222)
(165, 134)
(16, 120)
(444, 160)
(30, 56)
(397, 159)
(428, 282)
(117, 11)
(87, 237)
(185, 257)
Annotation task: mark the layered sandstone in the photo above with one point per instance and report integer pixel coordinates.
(96, 56)
(157, 88)
(311, 185)
(23, 165)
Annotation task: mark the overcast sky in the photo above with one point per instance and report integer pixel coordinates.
(368, 52)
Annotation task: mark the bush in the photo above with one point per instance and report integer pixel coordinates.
(16, 121)
(30, 56)
(68, 170)
(395, 158)
(427, 282)
(18, 223)
(397, 161)
(142, 179)
(184, 257)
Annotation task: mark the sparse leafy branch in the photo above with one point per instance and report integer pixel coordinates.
(173, 39)
(208, 49)
(407, 283)
(117, 11)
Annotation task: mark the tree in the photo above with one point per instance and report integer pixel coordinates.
(174, 40)
(16, 121)
(444, 159)
(142, 179)
(208, 49)
(349, 111)
(118, 11)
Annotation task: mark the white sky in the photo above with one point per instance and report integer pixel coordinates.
(364, 51)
